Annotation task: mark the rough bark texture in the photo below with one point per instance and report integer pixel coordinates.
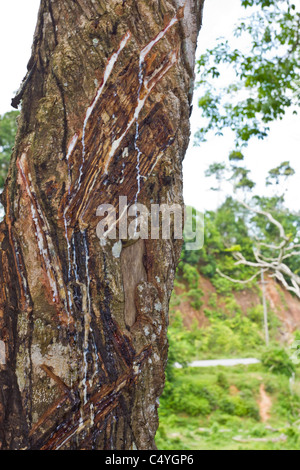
(105, 112)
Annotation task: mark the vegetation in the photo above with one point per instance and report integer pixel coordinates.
(264, 75)
(8, 129)
(221, 408)
(217, 408)
(234, 229)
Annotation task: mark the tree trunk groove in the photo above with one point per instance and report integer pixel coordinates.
(105, 113)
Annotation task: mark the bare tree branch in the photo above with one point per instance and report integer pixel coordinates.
(239, 281)
(274, 266)
(269, 217)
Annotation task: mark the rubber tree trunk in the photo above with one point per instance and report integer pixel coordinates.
(105, 113)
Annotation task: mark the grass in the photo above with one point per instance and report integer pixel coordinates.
(215, 408)
(206, 409)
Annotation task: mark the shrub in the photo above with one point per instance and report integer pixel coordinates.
(222, 285)
(196, 296)
(277, 360)
(222, 381)
(240, 407)
(183, 399)
(227, 406)
(191, 275)
(213, 299)
(256, 314)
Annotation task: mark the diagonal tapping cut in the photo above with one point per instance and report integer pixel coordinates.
(108, 70)
(104, 402)
(84, 324)
(90, 171)
(50, 260)
(94, 168)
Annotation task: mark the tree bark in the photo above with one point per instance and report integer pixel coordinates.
(105, 112)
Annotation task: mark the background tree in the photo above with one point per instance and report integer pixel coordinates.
(263, 83)
(264, 77)
(271, 258)
(237, 228)
(8, 130)
(105, 112)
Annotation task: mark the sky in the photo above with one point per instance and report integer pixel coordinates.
(282, 144)
(17, 24)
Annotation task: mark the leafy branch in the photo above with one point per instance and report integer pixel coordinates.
(265, 75)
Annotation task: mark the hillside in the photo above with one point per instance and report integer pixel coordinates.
(254, 407)
(280, 302)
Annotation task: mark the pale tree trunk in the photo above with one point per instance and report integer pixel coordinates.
(105, 113)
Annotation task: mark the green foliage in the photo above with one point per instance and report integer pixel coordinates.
(231, 336)
(238, 406)
(276, 174)
(265, 76)
(232, 228)
(207, 398)
(256, 314)
(196, 298)
(222, 381)
(191, 397)
(226, 230)
(213, 298)
(241, 179)
(297, 335)
(264, 84)
(191, 275)
(179, 347)
(185, 399)
(229, 333)
(197, 397)
(8, 130)
(236, 155)
(238, 175)
(217, 170)
(202, 412)
(278, 361)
